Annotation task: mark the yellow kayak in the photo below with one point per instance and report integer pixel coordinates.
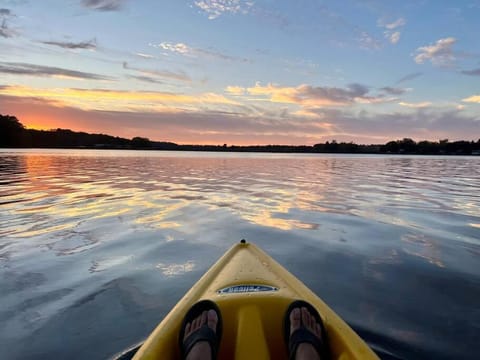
(253, 293)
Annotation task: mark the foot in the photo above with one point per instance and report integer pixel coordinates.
(299, 316)
(201, 350)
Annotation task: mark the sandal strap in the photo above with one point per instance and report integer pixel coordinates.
(204, 333)
(303, 335)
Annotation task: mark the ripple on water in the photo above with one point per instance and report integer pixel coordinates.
(107, 242)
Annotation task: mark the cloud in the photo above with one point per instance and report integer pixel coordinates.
(235, 90)
(391, 35)
(472, 99)
(179, 48)
(5, 30)
(165, 74)
(13, 68)
(393, 91)
(415, 105)
(87, 45)
(310, 96)
(367, 41)
(248, 128)
(409, 77)
(145, 56)
(180, 127)
(146, 79)
(121, 100)
(103, 5)
(185, 50)
(216, 8)
(393, 25)
(474, 72)
(439, 54)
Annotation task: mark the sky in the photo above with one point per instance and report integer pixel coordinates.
(244, 71)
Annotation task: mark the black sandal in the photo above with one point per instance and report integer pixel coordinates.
(204, 333)
(302, 334)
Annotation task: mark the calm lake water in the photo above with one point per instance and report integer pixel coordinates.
(97, 246)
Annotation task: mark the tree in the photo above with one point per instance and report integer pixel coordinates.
(141, 143)
(407, 145)
(391, 147)
(11, 131)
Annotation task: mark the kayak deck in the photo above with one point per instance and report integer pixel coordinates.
(253, 292)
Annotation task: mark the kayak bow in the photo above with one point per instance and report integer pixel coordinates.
(252, 292)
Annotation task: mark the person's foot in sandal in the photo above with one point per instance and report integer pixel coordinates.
(305, 333)
(201, 332)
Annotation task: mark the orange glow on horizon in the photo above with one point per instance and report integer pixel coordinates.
(37, 123)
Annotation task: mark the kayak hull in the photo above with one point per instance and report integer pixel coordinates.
(253, 292)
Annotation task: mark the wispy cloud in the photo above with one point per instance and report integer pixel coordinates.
(473, 72)
(418, 105)
(145, 56)
(368, 41)
(393, 25)
(5, 30)
(391, 33)
(310, 96)
(14, 68)
(179, 48)
(215, 8)
(122, 100)
(393, 90)
(164, 74)
(439, 54)
(235, 90)
(393, 37)
(86, 45)
(472, 99)
(185, 50)
(246, 128)
(147, 79)
(409, 77)
(103, 5)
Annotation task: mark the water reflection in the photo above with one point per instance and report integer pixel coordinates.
(134, 230)
(423, 247)
(176, 269)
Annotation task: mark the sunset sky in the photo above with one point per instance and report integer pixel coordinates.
(244, 71)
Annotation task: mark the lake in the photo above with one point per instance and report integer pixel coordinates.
(97, 246)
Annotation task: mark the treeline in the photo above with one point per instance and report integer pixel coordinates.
(405, 146)
(14, 135)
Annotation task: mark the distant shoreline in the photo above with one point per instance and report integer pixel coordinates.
(13, 135)
(2, 149)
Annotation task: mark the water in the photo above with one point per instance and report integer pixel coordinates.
(97, 246)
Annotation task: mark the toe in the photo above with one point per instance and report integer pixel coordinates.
(187, 330)
(305, 317)
(313, 323)
(196, 323)
(211, 319)
(203, 318)
(318, 330)
(295, 319)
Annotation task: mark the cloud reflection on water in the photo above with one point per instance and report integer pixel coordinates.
(154, 191)
(176, 269)
(372, 226)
